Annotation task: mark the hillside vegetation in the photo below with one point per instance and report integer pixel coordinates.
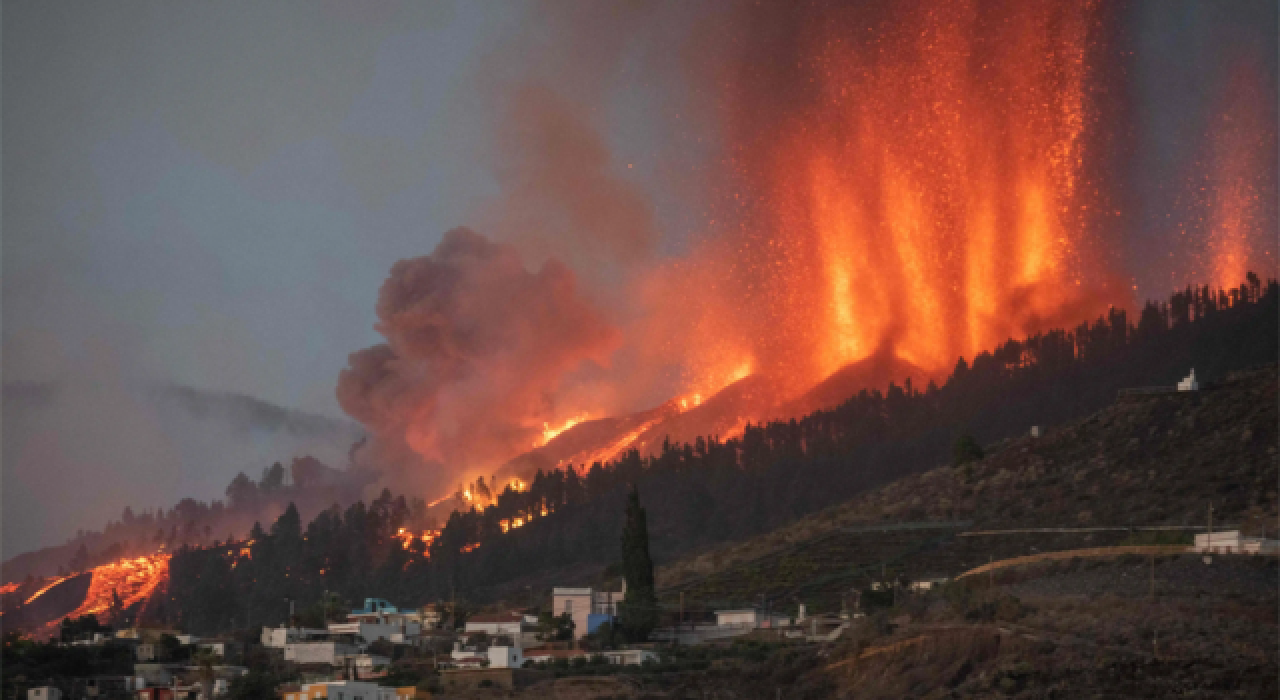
(1147, 460)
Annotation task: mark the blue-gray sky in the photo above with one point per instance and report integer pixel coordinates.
(211, 194)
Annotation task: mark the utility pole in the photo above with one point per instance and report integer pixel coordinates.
(1153, 576)
(991, 572)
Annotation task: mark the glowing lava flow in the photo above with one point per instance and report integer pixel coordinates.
(549, 433)
(613, 449)
(132, 580)
(45, 589)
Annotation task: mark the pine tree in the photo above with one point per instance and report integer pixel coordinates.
(639, 614)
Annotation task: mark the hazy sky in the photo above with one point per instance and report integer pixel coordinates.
(211, 193)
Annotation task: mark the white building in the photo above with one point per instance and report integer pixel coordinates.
(927, 584)
(44, 692)
(505, 657)
(750, 619)
(1189, 383)
(278, 637)
(588, 607)
(379, 619)
(1231, 542)
(396, 630)
(629, 657)
(496, 624)
(333, 653)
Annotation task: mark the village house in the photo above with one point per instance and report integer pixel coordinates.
(587, 607)
(510, 624)
(279, 637)
(44, 692)
(1232, 542)
(379, 619)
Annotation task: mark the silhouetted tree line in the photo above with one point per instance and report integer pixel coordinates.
(307, 483)
(711, 490)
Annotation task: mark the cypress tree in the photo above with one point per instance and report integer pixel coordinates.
(639, 614)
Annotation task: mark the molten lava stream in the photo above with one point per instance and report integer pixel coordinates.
(133, 580)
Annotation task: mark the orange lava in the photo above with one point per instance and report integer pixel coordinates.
(549, 433)
(133, 580)
(1240, 181)
(903, 178)
(45, 588)
(408, 538)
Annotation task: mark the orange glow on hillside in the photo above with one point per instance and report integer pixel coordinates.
(133, 580)
(45, 588)
(427, 537)
(549, 433)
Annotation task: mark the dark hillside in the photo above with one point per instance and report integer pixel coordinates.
(702, 494)
(1147, 460)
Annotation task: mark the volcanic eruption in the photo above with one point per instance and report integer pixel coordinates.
(896, 186)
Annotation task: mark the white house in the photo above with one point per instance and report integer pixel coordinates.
(588, 607)
(44, 692)
(333, 653)
(750, 619)
(399, 628)
(1189, 383)
(1231, 542)
(497, 624)
(505, 657)
(278, 637)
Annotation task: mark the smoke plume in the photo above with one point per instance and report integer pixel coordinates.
(476, 355)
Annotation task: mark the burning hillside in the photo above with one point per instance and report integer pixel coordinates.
(898, 186)
(114, 591)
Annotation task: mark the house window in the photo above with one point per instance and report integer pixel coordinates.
(568, 607)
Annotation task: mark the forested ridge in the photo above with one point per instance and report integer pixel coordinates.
(712, 491)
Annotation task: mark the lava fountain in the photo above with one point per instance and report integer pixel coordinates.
(911, 180)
